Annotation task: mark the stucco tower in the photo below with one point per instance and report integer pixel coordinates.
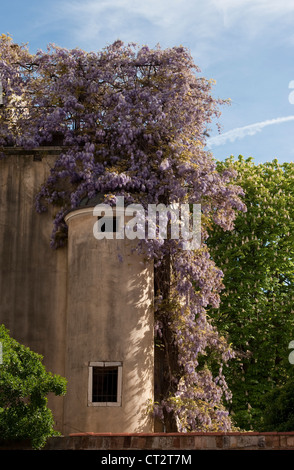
(86, 312)
(109, 331)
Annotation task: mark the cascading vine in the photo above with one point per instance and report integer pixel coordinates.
(132, 123)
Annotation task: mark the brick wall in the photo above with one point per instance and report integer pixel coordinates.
(176, 441)
(163, 441)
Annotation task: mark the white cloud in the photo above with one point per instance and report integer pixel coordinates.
(201, 23)
(241, 132)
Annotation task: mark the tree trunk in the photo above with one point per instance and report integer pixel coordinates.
(166, 363)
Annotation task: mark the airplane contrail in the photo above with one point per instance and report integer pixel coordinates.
(240, 132)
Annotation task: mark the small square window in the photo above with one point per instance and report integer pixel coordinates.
(108, 224)
(105, 380)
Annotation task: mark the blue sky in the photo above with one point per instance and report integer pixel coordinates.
(246, 46)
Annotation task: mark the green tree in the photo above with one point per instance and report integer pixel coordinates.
(24, 386)
(256, 309)
(279, 411)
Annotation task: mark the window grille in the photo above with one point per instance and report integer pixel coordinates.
(104, 386)
(105, 383)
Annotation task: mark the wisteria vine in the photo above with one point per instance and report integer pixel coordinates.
(132, 123)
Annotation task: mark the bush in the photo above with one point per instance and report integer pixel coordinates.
(24, 385)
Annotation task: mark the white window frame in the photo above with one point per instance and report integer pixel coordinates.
(119, 383)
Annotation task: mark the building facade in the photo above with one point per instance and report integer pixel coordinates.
(84, 308)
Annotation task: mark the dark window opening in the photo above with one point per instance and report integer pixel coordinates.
(109, 224)
(104, 385)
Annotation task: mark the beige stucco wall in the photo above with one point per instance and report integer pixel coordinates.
(33, 277)
(109, 318)
(76, 304)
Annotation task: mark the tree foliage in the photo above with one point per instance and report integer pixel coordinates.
(24, 386)
(132, 123)
(279, 408)
(257, 304)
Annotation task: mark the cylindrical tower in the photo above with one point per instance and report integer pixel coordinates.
(109, 337)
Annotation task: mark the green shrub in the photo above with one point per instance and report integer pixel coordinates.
(24, 385)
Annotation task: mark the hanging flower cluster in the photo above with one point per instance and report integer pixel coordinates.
(132, 123)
